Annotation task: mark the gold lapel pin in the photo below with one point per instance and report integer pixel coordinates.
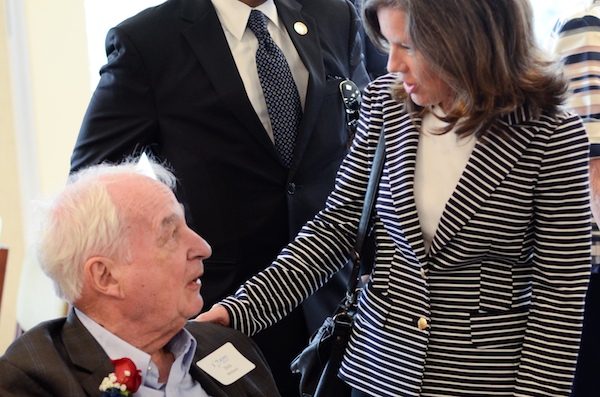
(300, 28)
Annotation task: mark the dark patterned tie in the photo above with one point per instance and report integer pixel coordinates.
(279, 88)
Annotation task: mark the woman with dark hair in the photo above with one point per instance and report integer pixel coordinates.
(482, 222)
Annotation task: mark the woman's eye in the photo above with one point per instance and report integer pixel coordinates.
(407, 48)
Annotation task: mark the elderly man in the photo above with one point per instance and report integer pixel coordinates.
(117, 247)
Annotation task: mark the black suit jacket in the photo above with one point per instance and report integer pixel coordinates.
(171, 86)
(375, 59)
(61, 358)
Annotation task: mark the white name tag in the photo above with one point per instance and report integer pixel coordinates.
(226, 364)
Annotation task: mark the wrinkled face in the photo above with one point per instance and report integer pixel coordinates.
(424, 86)
(162, 279)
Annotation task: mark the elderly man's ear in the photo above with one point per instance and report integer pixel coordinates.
(103, 276)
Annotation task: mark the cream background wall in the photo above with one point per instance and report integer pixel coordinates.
(50, 54)
(44, 91)
(10, 206)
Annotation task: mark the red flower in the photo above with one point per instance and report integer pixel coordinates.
(127, 374)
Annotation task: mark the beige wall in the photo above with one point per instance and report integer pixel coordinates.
(10, 206)
(37, 132)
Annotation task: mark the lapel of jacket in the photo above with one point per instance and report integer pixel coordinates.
(209, 384)
(309, 50)
(492, 159)
(89, 362)
(402, 139)
(207, 40)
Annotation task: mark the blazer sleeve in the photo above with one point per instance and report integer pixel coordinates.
(561, 264)
(121, 117)
(323, 244)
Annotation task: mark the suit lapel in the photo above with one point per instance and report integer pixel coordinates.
(89, 362)
(209, 384)
(492, 159)
(207, 41)
(309, 50)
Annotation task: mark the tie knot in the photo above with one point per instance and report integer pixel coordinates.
(258, 24)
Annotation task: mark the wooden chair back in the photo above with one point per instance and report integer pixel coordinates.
(3, 261)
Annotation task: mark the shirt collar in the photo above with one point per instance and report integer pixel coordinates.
(234, 15)
(114, 347)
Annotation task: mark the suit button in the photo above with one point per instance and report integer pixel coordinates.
(291, 189)
(423, 273)
(422, 323)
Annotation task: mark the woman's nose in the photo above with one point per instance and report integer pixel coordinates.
(396, 61)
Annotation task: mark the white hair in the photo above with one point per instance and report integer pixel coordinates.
(82, 221)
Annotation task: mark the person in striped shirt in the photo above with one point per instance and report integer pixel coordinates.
(576, 40)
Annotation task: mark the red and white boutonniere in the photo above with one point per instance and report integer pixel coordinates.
(123, 382)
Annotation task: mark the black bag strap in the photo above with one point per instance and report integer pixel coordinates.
(365, 216)
(343, 320)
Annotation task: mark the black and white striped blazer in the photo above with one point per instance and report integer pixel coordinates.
(495, 308)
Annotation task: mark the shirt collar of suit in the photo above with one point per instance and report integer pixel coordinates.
(234, 14)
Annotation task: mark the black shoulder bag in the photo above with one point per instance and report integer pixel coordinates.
(319, 362)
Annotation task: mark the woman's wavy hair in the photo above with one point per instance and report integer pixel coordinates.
(486, 52)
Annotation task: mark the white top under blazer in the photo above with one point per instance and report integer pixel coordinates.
(441, 160)
(495, 307)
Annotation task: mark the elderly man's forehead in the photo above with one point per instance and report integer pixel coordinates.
(136, 193)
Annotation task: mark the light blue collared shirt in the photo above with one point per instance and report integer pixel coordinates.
(179, 384)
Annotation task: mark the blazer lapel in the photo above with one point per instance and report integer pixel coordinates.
(210, 385)
(492, 159)
(402, 139)
(89, 361)
(207, 40)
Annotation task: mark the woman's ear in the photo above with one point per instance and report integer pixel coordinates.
(103, 276)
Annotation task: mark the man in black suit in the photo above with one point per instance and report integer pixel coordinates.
(118, 249)
(181, 82)
(375, 59)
